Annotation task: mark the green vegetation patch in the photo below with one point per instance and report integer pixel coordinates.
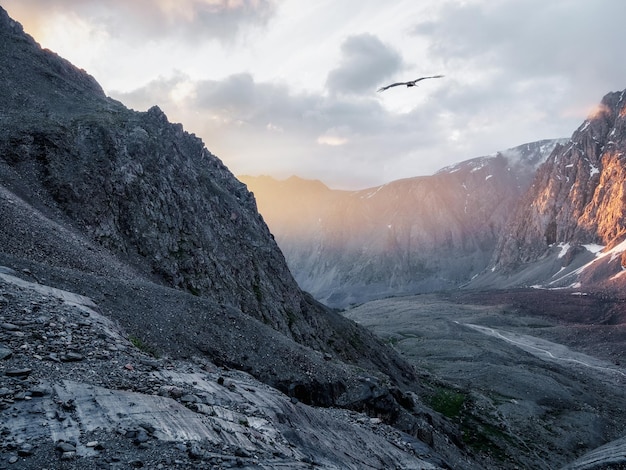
(143, 347)
(448, 402)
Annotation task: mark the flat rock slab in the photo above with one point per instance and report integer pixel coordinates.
(5, 353)
(242, 415)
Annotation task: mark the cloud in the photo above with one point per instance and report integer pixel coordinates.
(143, 20)
(263, 127)
(532, 40)
(365, 62)
(277, 88)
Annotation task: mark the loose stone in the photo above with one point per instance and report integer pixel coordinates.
(5, 353)
(65, 447)
(25, 372)
(25, 450)
(72, 357)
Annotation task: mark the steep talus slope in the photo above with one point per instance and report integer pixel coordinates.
(132, 211)
(576, 202)
(408, 236)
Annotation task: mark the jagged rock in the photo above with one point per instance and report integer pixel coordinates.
(576, 197)
(5, 352)
(9, 327)
(22, 372)
(71, 357)
(63, 447)
(126, 238)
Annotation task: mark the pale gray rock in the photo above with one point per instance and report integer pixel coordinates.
(88, 412)
(608, 456)
(5, 352)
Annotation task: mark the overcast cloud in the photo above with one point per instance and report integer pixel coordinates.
(289, 87)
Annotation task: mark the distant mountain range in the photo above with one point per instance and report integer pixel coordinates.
(409, 236)
(550, 213)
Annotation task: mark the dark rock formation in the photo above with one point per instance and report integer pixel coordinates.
(148, 193)
(408, 236)
(130, 210)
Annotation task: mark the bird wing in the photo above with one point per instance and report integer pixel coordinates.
(407, 83)
(392, 85)
(425, 78)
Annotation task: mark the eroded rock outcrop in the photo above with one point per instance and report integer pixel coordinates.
(577, 197)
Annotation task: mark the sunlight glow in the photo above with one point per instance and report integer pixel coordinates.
(331, 140)
(598, 111)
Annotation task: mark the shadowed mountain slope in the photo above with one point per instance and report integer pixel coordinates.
(130, 210)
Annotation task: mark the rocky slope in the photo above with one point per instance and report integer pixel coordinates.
(77, 393)
(574, 208)
(91, 186)
(408, 236)
(132, 212)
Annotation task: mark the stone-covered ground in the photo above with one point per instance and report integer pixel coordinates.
(77, 393)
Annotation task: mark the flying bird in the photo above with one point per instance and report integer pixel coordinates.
(408, 84)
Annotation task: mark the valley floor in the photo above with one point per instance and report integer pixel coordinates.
(533, 378)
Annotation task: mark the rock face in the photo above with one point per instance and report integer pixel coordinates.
(576, 201)
(408, 236)
(132, 212)
(139, 185)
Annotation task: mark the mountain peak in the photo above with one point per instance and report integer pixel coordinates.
(577, 196)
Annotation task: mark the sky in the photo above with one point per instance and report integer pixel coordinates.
(289, 87)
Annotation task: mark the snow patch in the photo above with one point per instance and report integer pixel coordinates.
(373, 193)
(564, 247)
(593, 248)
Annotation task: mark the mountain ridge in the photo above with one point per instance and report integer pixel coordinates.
(574, 205)
(407, 236)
